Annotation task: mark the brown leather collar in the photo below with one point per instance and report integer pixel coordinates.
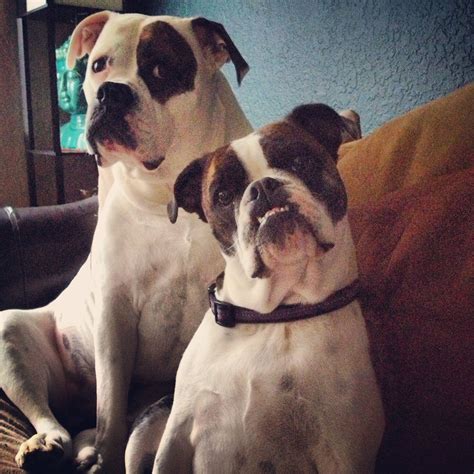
(229, 315)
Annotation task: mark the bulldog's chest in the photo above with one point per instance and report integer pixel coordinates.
(285, 397)
(269, 425)
(253, 409)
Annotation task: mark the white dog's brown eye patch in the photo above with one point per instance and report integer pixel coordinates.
(161, 48)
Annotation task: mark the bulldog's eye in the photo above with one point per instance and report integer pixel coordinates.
(299, 164)
(100, 64)
(157, 72)
(224, 197)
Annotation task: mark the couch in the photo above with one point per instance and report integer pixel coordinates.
(41, 249)
(411, 194)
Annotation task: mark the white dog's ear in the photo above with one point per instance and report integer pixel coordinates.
(85, 36)
(188, 190)
(322, 122)
(215, 40)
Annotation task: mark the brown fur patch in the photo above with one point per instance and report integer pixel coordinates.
(161, 46)
(287, 383)
(291, 148)
(224, 172)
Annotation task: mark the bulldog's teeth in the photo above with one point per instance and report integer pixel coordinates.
(271, 212)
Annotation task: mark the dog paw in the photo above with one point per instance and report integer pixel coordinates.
(96, 465)
(41, 451)
(86, 459)
(89, 461)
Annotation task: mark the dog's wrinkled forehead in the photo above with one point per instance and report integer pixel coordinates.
(164, 53)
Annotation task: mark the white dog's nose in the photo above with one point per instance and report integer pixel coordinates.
(115, 94)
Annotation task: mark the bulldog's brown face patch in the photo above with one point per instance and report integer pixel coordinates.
(165, 61)
(224, 183)
(291, 149)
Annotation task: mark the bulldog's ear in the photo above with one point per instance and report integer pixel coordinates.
(188, 190)
(353, 130)
(85, 36)
(214, 39)
(322, 122)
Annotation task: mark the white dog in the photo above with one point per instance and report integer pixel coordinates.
(277, 378)
(157, 99)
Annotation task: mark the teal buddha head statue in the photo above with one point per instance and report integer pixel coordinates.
(71, 98)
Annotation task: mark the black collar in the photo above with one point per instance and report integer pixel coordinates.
(229, 315)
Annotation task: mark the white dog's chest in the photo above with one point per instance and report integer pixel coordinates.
(163, 271)
(255, 421)
(171, 273)
(172, 295)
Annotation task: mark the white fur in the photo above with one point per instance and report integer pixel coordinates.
(132, 308)
(251, 155)
(285, 397)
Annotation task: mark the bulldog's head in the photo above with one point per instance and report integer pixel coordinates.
(145, 75)
(274, 197)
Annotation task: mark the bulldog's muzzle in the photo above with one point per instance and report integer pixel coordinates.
(264, 195)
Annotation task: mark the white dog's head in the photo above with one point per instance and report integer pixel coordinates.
(145, 78)
(273, 198)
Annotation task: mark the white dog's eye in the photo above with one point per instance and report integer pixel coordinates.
(100, 64)
(156, 72)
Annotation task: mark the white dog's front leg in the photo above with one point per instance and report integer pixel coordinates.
(175, 454)
(115, 350)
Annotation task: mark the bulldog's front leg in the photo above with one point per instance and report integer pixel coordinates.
(115, 341)
(175, 454)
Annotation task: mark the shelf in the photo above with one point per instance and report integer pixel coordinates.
(63, 152)
(55, 176)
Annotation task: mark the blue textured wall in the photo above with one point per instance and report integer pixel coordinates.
(380, 57)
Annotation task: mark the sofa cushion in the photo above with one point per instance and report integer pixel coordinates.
(432, 140)
(416, 260)
(14, 429)
(41, 250)
(411, 195)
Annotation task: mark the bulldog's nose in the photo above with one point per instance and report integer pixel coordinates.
(115, 94)
(263, 189)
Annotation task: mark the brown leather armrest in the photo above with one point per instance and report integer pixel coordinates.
(41, 249)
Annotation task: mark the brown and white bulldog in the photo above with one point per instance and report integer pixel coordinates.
(156, 99)
(278, 376)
